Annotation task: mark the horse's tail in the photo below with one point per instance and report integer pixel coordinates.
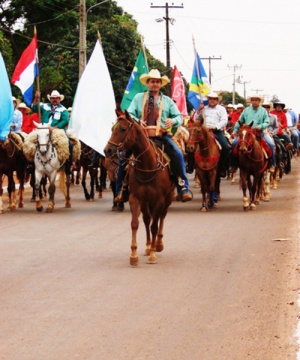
(62, 182)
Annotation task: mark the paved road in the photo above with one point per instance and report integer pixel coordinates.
(222, 288)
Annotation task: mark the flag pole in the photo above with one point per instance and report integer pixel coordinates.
(38, 81)
(99, 38)
(198, 76)
(144, 51)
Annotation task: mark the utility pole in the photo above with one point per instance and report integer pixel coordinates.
(82, 37)
(210, 58)
(239, 81)
(167, 19)
(235, 68)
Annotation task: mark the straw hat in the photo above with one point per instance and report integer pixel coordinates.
(154, 74)
(69, 109)
(55, 93)
(23, 106)
(256, 96)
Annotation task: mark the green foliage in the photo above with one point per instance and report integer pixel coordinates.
(6, 51)
(227, 98)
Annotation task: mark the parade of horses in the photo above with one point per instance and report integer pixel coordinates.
(183, 159)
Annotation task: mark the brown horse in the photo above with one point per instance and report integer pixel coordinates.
(150, 184)
(207, 154)
(12, 160)
(252, 162)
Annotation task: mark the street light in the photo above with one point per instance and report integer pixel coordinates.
(90, 8)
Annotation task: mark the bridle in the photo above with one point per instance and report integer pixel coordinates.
(47, 144)
(52, 155)
(248, 144)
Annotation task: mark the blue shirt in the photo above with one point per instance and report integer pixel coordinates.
(17, 121)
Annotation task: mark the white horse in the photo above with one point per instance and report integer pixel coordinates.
(47, 163)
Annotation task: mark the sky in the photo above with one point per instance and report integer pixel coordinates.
(261, 36)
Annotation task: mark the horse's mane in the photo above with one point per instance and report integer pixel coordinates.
(209, 138)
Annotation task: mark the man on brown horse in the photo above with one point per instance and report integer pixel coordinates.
(215, 118)
(256, 115)
(161, 118)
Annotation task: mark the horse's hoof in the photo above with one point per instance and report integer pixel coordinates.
(32, 200)
(92, 199)
(77, 182)
(114, 208)
(252, 207)
(152, 260)
(12, 208)
(1, 211)
(266, 198)
(100, 196)
(21, 206)
(49, 210)
(204, 209)
(256, 202)
(120, 207)
(134, 261)
(245, 208)
(147, 252)
(39, 208)
(68, 206)
(159, 247)
(215, 206)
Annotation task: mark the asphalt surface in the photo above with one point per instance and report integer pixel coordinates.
(225, 287)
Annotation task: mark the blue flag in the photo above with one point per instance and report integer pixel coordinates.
(199, 86)
(6, 104)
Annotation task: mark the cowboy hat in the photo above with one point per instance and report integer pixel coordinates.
(267, 104)
(23, 106)
(55, 93)
(279, 103)
(240, 105)
(69, 109)
(256, 96)
(229, 106)
(154, 74)
(17, 101)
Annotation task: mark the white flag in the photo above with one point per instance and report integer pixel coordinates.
(93, 112)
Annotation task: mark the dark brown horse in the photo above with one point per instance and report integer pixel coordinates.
(12, 160)
(252, 162)
(207, 154)
(150, 184)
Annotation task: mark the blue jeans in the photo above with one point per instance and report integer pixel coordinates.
(295, 138)
(269, 141)
(180, 158)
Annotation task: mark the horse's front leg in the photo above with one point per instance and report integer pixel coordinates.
(243, 176)
(68, 198)
(147, 220)
(21, 194)
(51, 191)
(11, 188)
(93, 177)
(154, 229)
(204, 189)
(83, 183)
(135, 212)
(38, 204)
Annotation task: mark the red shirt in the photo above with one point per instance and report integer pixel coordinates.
(234, 117)
(282, 120)
(28, 125)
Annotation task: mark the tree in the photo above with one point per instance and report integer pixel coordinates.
(227, 98)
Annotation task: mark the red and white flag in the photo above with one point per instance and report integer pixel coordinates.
(178, 92)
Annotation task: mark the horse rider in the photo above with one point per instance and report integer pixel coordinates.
(160, 116)
(282, 120)
(257, 115)
(55, 114)
(272, 128)
(215, 118)
(17, 119)
(292, 123)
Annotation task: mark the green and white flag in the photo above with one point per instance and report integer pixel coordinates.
(134, 85)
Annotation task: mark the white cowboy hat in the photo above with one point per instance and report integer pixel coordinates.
(240, 105)
(69, 109)
(154, 74)
(23, 106)
(212, 95)
(55, 93)
(230, 106)
(256, 96)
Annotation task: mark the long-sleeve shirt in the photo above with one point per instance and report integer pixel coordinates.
(215, 117)
(169, 111)
(17, 121)
(293, 118)
(258, 116)
(58, 116)
(282, 120)
(273, 127)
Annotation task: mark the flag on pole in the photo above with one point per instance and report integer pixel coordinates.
(93, 111)
(26, 71)
(178, 92)
(199, 86)
(6, 104)
(134, 85)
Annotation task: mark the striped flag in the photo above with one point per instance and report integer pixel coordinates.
(26, 71)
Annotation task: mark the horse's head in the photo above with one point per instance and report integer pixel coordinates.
(121, 135)
(43, 137)
(197, 135)
(247, 137)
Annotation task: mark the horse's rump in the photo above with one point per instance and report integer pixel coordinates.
(60, 142)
